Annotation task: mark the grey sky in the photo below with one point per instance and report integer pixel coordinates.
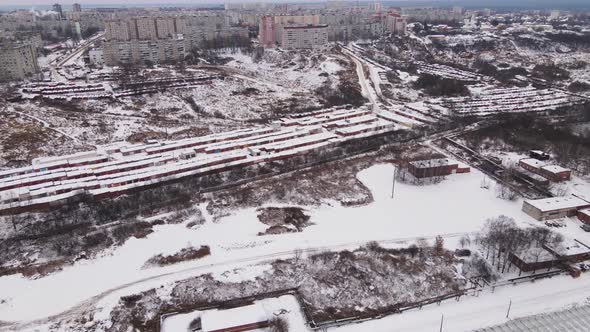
(102, 2)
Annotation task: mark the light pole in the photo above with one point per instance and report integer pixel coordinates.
(393, 182)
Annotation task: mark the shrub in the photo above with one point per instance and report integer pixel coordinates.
(185, 254)
(578, 86)
(436, 86)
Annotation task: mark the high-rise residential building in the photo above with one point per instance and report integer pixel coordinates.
(266, 32)
(17, 61)
(117, 30)
(144, 40)
(304, 36)
(130, 39)
(271, 27)
(433, 14)
(143, 51)
(58, 10)
(375, 6)
(76, 8)
(396, 24)
(144, 28)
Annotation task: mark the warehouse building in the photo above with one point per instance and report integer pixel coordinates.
(554, 207)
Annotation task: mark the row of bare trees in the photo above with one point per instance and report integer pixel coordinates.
(501, 236)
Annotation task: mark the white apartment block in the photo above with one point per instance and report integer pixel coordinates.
(304, 36)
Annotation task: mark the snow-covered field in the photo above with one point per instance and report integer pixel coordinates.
(452, 208)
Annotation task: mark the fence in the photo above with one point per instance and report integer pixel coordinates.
(478, 284)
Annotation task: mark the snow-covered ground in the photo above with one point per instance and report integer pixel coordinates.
(489, 308)
(452, 208)
(290, 69)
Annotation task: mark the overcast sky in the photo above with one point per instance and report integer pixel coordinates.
(539, 4)
(99, 2)
(90, 3)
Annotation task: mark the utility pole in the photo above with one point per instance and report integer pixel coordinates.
(393, 183)
(442, 318)
(509, 306)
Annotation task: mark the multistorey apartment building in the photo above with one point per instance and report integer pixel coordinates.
(162, 39)
(396, 23)
(144, 40)
(304, 36)
(272, 30)
(17, 60)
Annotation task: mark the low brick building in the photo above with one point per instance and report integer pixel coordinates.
(531, 164)
(556, 173)
(584, 216)
(553, 173)
(546, 256)
(435, 167)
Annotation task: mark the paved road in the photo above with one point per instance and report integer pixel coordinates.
(79, 50)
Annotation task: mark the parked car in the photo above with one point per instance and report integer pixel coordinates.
(586, 228)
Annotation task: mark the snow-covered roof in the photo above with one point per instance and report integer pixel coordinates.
(533, 162)
(575, 319)
(222, 319)
(555, 169)
(570, 247)
(585, 212)
(432, 163)
(558, 203)
(53, 160)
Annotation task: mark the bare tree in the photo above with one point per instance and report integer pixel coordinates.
(422, 245)
(298, 254)
(439, 243)
(465, 241)
(278, 324)
(505, 192)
